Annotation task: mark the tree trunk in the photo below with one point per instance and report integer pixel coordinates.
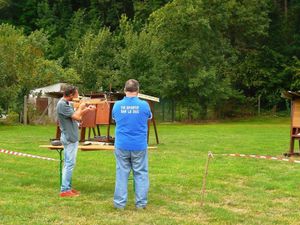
(25, 111)
(173, 110)
(285, 8)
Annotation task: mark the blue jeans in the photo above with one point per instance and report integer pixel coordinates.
(138, 162)
(70, 154)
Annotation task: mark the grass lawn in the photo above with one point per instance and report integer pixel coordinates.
(239, 190)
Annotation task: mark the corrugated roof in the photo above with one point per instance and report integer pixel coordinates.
(54, 90)
(51, 88)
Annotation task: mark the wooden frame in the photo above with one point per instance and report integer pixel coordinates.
(295, 120)
(295, 125)
(103, 116)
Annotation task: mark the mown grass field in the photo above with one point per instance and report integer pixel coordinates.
(239, 190)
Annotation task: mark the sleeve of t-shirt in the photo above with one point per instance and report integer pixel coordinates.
(149, 113)
(66, 110)
(113, 113)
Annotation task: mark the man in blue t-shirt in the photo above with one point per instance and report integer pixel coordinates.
(131, 116)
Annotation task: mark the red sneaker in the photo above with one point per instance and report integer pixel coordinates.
(75, 191)
(68, 194)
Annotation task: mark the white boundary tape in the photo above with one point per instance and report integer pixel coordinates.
(261, 157)
(26, 155)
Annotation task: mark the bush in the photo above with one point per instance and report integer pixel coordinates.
(12, 118)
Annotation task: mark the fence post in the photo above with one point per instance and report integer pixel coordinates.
(163, 109)
(25, 110)
(258, 105)
(209, 156)
(173, 110)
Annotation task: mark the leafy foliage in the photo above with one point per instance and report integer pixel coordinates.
(210, 57)
(23, 66)
(94, 60)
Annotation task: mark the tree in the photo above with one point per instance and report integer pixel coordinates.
(192, 51)
(10, 39)
(23, 66)
(137, 58)
(94, 61)
(4, 3)
(143, 9)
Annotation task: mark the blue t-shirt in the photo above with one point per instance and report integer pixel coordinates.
(131, 115)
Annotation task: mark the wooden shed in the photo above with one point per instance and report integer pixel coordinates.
(45, 99)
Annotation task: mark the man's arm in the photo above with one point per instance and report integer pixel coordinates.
(81, 110)
(149, 112)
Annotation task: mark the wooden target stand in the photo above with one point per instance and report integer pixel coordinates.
(295, 122)
(102, 116)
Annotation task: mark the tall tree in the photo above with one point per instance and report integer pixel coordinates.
(23, 66)
(94, 60)
(192, 51)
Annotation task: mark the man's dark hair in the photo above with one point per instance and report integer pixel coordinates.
(132, 86)
(70, 90)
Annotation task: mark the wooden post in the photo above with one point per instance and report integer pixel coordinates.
(258, 105)
(111, 105)
(153, 121)
(173, 110)
(25, 111)
(163, 109)
(285, 8)
(209, 155)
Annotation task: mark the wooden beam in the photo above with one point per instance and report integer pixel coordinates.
(88, 147)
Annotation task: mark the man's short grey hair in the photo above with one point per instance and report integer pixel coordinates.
(132, 86)
(70, 90)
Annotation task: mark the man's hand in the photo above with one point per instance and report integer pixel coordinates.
(82, 109)
(88, 108)
(91, 107)
(82, 106)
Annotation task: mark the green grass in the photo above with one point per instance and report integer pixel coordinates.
(239, 190)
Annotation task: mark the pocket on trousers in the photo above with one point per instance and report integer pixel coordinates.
(120, 153)
(63, 140)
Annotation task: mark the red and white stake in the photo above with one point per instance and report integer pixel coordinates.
(26, 155)
(262, 157)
